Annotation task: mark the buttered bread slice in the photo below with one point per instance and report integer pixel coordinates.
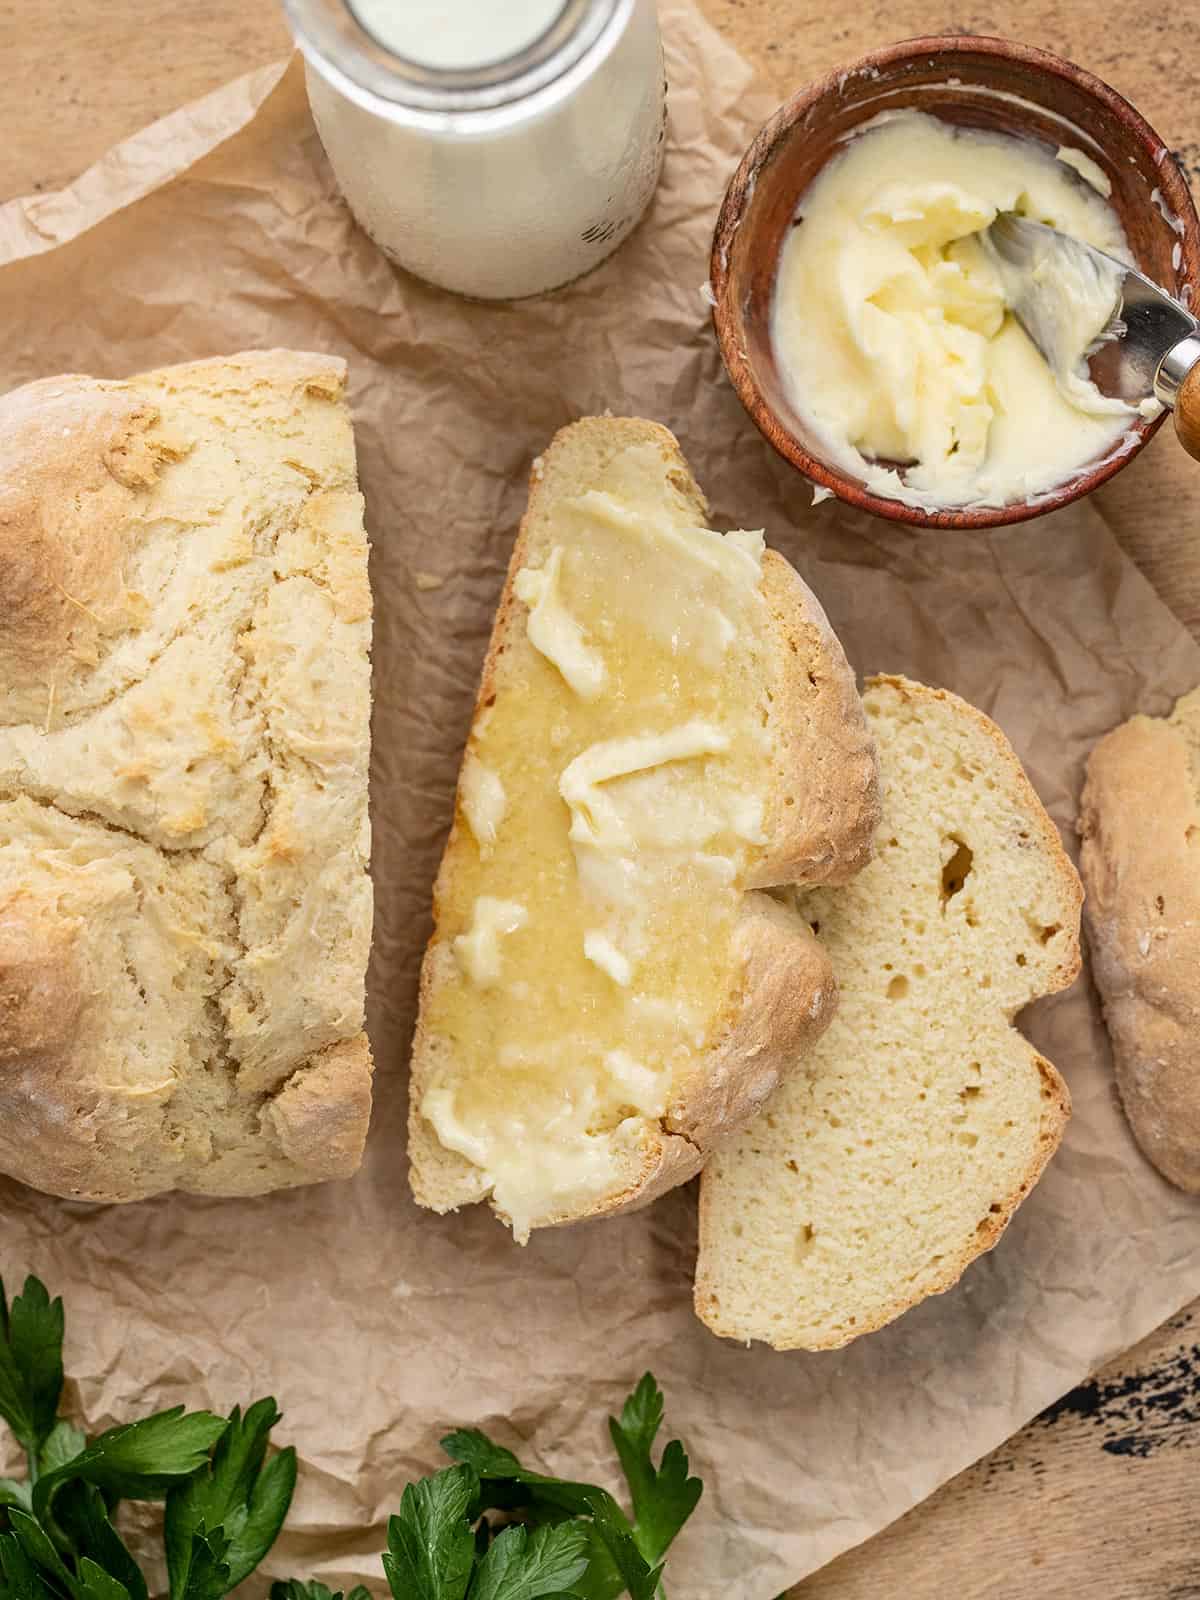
(666, 726)
(903, 1145)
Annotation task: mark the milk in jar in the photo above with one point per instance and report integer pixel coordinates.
(498, 148)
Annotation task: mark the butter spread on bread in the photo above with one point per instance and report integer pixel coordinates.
(185, 911)
(666, 727)
(903, 1144)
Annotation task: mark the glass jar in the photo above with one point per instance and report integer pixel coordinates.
(496, 165)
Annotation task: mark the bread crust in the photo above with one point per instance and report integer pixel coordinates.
(787, 996)
(1055, 1099)
(827, 835)
(1140, 826)
(171, 784)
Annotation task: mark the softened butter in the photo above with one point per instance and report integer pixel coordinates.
(891, 324)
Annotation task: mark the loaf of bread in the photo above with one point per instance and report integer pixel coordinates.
(185, 910)
(666, 726)
(1140, 823)
(913, 1129)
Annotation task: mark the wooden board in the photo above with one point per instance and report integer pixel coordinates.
(1096, 1498)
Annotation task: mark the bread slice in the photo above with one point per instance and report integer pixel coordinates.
(1140, 823)
(185, 911)
(916, 1125)
(666, 725)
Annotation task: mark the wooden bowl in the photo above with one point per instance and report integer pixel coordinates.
(974, 82)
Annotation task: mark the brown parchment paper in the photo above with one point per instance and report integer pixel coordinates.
(378, 1326)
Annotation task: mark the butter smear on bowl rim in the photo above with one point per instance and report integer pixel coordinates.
(891, 328)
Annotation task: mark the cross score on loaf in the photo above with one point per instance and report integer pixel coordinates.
(666, 727)
(185, 911)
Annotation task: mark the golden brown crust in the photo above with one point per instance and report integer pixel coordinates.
(1140, 825)
(822, 831)
(788, 994)
(74, 453)
(156, 890)
(1039, 835)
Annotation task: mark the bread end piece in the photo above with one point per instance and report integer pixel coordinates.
(1140, 826)
(166, 542)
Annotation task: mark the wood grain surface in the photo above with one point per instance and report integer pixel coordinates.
(1101, 1496)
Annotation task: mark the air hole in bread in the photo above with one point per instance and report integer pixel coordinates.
(1022, 959)
(898, 988)
(1049, 931)
(957, 869)
(804, 1241)
(1161, 904)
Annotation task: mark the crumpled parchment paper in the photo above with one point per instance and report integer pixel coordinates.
(378, 1326)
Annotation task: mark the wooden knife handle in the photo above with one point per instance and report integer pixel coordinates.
(1187, 412)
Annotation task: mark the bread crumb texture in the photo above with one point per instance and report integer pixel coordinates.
(1140, 824)
(915, 1126)
(185, 911)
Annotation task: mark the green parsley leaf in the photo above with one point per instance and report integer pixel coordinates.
(501, 1474)
(208, 1573)
(63, 1444)
(296, 1589)
(14, 1493)
(431, 1549)
(665, 1498)
(520, 1565)
(37, 1545)
(93, 1583)
(31, 1371)
(477, 1450)
(81, 1514)
(142, 1460)
(238, 1494)
(19, 1577)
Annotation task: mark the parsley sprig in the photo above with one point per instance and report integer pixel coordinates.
(619, 1556)
(485, 1528)
(224, 1502)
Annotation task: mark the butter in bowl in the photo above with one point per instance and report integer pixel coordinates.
(861, 315)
